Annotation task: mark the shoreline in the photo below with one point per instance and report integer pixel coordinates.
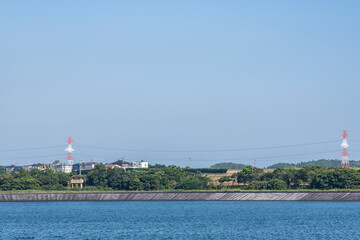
(181, 196)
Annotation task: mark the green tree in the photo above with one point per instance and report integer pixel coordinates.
(24, 183)
(192, 182)
(258, 185)
(2, 170)
(5, 181)
(249, 174)
(336, 178)
(98, 177)
(118, 179)
(276, 184)
(225, 179)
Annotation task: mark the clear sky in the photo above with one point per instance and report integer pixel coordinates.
(179, 75)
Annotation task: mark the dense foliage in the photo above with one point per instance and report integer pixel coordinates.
(103, 178)
(34, 180)
(2, 170)
(171, 177)
(304, 178)
(157, 166)
(228, 165)
(320, 162)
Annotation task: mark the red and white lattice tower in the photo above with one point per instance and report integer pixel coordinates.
(69, 150)
(345, 154)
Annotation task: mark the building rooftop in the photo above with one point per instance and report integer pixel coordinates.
(77, 176)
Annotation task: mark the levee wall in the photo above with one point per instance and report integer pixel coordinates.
(182, 196)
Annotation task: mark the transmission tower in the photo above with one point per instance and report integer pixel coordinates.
(345, 154)
(69, 150)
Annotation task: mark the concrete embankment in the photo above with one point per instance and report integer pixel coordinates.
(182, 196)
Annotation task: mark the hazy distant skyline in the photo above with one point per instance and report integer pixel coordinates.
(159, 75)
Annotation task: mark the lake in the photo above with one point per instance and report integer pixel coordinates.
(179, 220)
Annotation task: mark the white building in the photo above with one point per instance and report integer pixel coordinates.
(139, 164)
(38, 166)
(58, 166)
(27, 167)
(66, 168)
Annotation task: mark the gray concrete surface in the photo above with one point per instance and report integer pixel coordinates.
(182, 196)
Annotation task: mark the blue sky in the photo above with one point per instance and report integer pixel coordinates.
(178, 75)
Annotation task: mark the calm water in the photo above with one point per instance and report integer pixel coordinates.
(180, 220)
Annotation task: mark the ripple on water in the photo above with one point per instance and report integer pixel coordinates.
(179, 220)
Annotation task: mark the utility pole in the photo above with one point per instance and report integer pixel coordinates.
(254, 162)
(189, 161)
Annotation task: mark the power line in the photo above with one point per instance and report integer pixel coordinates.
(228, 159)
(103, 157)
(32, 157)
(216, 150)
(267, 157)
(300, 154)
(30, 149)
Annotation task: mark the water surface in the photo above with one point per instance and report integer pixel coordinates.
(180, 220)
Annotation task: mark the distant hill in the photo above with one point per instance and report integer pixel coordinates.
(320, 162)
(282, 165)
(228, 165)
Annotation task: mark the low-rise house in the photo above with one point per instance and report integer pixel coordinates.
(87, 165)
(12, 168)
(84, 166)
(140, 164)
(66, 168)
(38, 166)
(27, 167)
(54, 164)
(58, 166)
(125, 165)
(113, 166)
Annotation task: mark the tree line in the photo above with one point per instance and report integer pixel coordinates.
(102, 178)
(33, 180)
(176, 178)
(314, 177)
(321, 162)
(168, 178)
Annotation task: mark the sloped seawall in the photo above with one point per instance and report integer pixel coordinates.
(182, 196)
